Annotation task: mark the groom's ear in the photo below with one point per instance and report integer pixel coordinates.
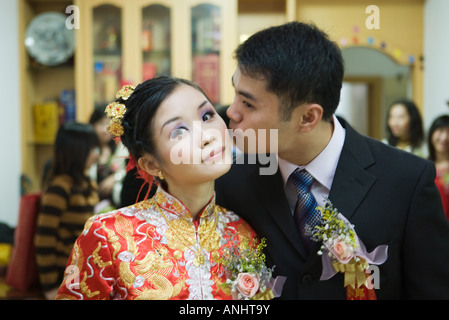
(149, 164)
(310, 116)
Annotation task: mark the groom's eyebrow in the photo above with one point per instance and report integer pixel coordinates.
(247, 95)
(243, 93)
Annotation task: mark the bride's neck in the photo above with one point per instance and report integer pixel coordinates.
(195, 198)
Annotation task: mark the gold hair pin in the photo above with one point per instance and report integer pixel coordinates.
(125, 92)
(116, 110)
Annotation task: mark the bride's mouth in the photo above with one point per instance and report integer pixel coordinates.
(214, 155)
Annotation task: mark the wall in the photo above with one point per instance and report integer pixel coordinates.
(436, 81)
(10, 114)
(394, 81)
(354, 105)
(400, 33)
(255, 15)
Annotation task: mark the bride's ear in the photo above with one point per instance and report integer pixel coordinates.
(149, 164)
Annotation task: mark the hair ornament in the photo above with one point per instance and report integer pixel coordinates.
(125, 92)
(116, 110)
(115, 127)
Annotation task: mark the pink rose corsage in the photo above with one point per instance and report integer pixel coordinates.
(248, 284)
(248, 276)
(343, 251)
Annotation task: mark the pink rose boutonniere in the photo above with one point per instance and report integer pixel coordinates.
(248, 276)
(343, 251)
(340, 249)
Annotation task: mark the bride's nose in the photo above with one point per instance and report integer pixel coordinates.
(207, 138)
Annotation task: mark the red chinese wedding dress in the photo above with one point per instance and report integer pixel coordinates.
(154, 250)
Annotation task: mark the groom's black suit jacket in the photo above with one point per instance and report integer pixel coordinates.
(390, 197)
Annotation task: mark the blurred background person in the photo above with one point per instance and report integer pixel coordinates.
(67, 202)
(438, 142)
(405, 127)
(110, 169)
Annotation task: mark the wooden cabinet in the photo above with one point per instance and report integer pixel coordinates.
(121, 42)
(128, 41)
(38, 85)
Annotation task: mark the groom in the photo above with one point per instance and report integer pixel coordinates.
(289, 78)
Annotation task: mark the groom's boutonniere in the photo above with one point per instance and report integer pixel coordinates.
(343, 251)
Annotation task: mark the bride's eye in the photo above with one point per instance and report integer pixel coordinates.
(208, 115)
(178, 133)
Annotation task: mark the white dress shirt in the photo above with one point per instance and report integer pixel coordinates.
(322, 168)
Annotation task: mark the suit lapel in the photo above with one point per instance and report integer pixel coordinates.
(351, 184)
(270, 193)
(352, 181)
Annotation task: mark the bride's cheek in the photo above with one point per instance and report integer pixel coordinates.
(179, 152)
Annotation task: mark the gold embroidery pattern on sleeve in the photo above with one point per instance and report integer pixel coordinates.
(114, 240)
(77, 256)
(123, 225)
(97, 258)
(132, 246)
(125, 229)
(85, 289)
(87, 226)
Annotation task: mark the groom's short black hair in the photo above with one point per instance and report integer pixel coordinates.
(299, 63)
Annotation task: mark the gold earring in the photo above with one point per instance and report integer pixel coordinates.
(160, 175)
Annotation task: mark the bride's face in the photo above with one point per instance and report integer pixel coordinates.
(191, 139)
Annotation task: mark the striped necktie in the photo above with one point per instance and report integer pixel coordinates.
(306, 216)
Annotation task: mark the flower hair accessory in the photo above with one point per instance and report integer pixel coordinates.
(116, 110)
(343, 251)
(125, 92)
(248, 276)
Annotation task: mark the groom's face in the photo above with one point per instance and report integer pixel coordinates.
(255, 113)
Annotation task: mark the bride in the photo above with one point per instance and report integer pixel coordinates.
(169, 246)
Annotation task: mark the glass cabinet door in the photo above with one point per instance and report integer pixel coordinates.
(107, 55)
(156, 39)
(206, 44)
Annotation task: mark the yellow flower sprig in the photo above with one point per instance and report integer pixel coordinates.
(333, 227)
(246, 260)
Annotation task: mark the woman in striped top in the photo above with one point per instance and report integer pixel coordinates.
(67, 202)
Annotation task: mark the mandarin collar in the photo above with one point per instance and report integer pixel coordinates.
(173, 205)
